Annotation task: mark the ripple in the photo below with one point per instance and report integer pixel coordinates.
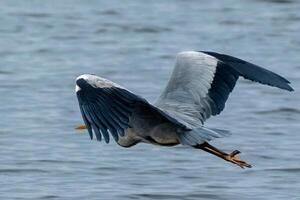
(138, 28)
(108, 12)
(278, 1)
(280, 110)
(101, 30)
(167, 57)
(205, 196)
(42, 51)
(32, 14)
(50, 197)
(104, 42)
(5, 72)
(107, 168)
(57, 161)
(266, 157)
(175, 196)
(217, 186)
(233, 22)
(189, 177)
(154, 171)
(151, 29)
(290, 170)
(66, 37)
(46, 161)
(293, 18)
(16, 29)
(14, 171)
(274, 133)
(158, 196)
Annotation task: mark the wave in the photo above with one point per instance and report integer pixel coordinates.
(291, 169)
(5, 171)
(283, 110)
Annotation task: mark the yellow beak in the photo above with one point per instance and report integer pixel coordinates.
(80, 127)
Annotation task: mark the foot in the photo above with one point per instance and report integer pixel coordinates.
(233, 159)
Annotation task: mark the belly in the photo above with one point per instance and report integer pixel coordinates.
(163, 134)
(129, 139)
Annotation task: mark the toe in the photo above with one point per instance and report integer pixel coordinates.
(241, 163)
(235, 152)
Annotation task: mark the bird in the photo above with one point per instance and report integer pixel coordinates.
(198, 88)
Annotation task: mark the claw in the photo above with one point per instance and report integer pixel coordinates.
(233, 159)
(235, 152)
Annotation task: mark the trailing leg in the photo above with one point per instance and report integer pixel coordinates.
(228, 157)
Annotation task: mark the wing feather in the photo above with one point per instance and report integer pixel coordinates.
(107, 108)
(86, 122)
(102, 124)
(202, 81)
(253, 72)
(95, 122)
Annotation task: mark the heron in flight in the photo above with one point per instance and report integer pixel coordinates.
(198, 89)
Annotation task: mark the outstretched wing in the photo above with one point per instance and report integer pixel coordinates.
(202, 81)
(107, 107)
(253, 72)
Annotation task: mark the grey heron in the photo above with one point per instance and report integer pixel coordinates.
(198, 89)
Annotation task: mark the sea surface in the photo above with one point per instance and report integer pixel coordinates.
(45, 45)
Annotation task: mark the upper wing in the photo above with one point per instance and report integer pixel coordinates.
(106, 107)
(202, 81)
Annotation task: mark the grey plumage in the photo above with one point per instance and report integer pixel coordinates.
(198, 89)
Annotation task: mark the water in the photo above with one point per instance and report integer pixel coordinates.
(45, 45)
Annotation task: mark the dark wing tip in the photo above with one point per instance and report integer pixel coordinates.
(283, 86)
(290, 89)
(253, 72)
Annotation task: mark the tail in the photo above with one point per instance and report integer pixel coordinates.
(201, 135)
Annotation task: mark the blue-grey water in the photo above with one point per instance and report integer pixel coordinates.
(45, 45)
